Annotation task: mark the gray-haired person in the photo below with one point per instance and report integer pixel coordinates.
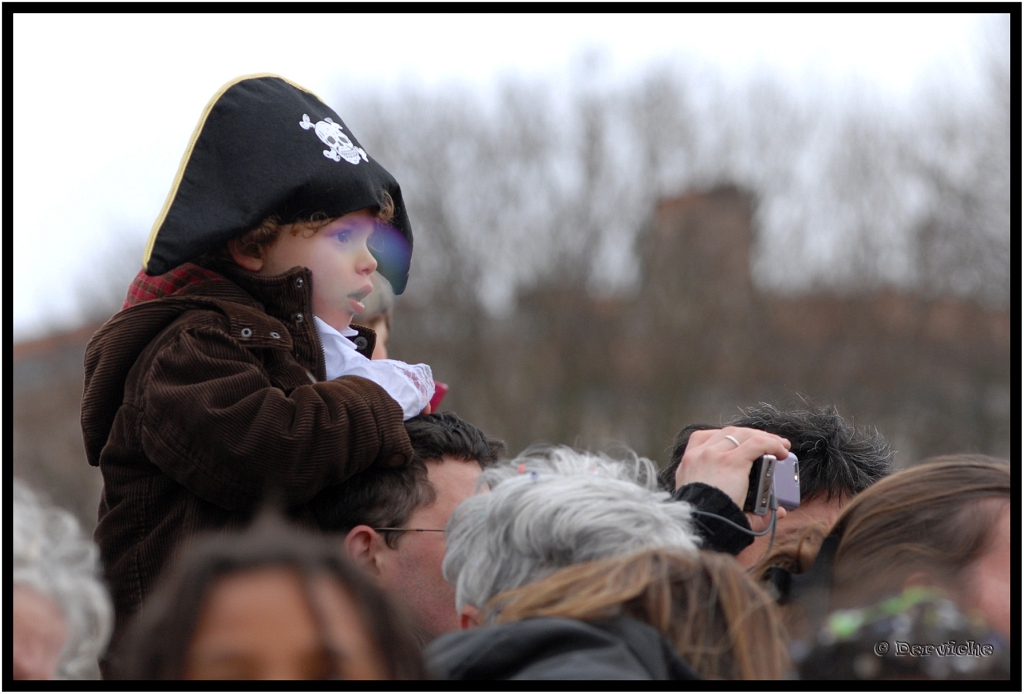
(551, 508)
(61, 612)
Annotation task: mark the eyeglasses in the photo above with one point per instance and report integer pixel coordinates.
(414, 530)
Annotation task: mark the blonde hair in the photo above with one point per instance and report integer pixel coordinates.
(722, 623)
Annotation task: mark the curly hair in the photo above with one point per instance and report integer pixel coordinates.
(256, 241)
(553, 506)
(51, 556)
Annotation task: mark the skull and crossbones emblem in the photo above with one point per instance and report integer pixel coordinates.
(330, 134)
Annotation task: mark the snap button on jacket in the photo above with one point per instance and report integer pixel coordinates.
(201, 405)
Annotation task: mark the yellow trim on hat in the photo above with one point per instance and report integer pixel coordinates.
(188, 154)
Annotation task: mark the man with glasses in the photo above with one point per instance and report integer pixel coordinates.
(393, 519)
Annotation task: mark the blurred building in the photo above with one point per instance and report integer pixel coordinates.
(695, 342)
(49, 454)
(932, 373)
(699, 340)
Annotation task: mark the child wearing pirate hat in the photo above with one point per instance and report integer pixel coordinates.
(233, 375)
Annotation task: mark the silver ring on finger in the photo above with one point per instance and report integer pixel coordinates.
(733, 439)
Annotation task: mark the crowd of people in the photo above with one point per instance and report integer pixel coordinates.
(281, 500)
(556, 564)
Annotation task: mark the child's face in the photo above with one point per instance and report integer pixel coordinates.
(338, 257)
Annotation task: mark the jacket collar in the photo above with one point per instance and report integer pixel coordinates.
(288, 297)
(145, 288)
(274, 302)
(281, 296)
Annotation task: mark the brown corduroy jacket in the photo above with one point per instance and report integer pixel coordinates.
(202, 404)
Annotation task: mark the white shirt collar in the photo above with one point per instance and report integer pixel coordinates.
(329, 333)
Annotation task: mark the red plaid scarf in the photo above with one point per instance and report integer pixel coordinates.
(144, 287)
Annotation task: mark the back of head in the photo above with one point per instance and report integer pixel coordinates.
(719, 620)
(50, 556)
(554, 507)
(383, 497)
(161, 633)
(837, 459)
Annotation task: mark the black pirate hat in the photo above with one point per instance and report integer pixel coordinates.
(266, 146)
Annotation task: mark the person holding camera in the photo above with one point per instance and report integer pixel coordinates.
(837, 461)
(552, 508)
(714, 476)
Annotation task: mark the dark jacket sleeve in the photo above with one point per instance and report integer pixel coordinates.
(213, 421)
(717, 536)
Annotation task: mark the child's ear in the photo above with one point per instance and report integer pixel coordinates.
(362, 545)
(250, 263)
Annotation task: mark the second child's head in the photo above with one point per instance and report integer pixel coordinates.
(337, 251)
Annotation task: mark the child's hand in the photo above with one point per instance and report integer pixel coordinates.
(426, 410)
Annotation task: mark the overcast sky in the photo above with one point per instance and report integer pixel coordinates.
(104, 104)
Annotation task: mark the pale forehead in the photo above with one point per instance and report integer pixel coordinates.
(454, 481)
(359, 218)
(453, 474)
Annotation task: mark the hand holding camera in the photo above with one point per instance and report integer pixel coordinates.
(770, 476)
(724, 458)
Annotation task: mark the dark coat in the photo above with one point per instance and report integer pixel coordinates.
(711, 507)
(205, 402)
(555, 648)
